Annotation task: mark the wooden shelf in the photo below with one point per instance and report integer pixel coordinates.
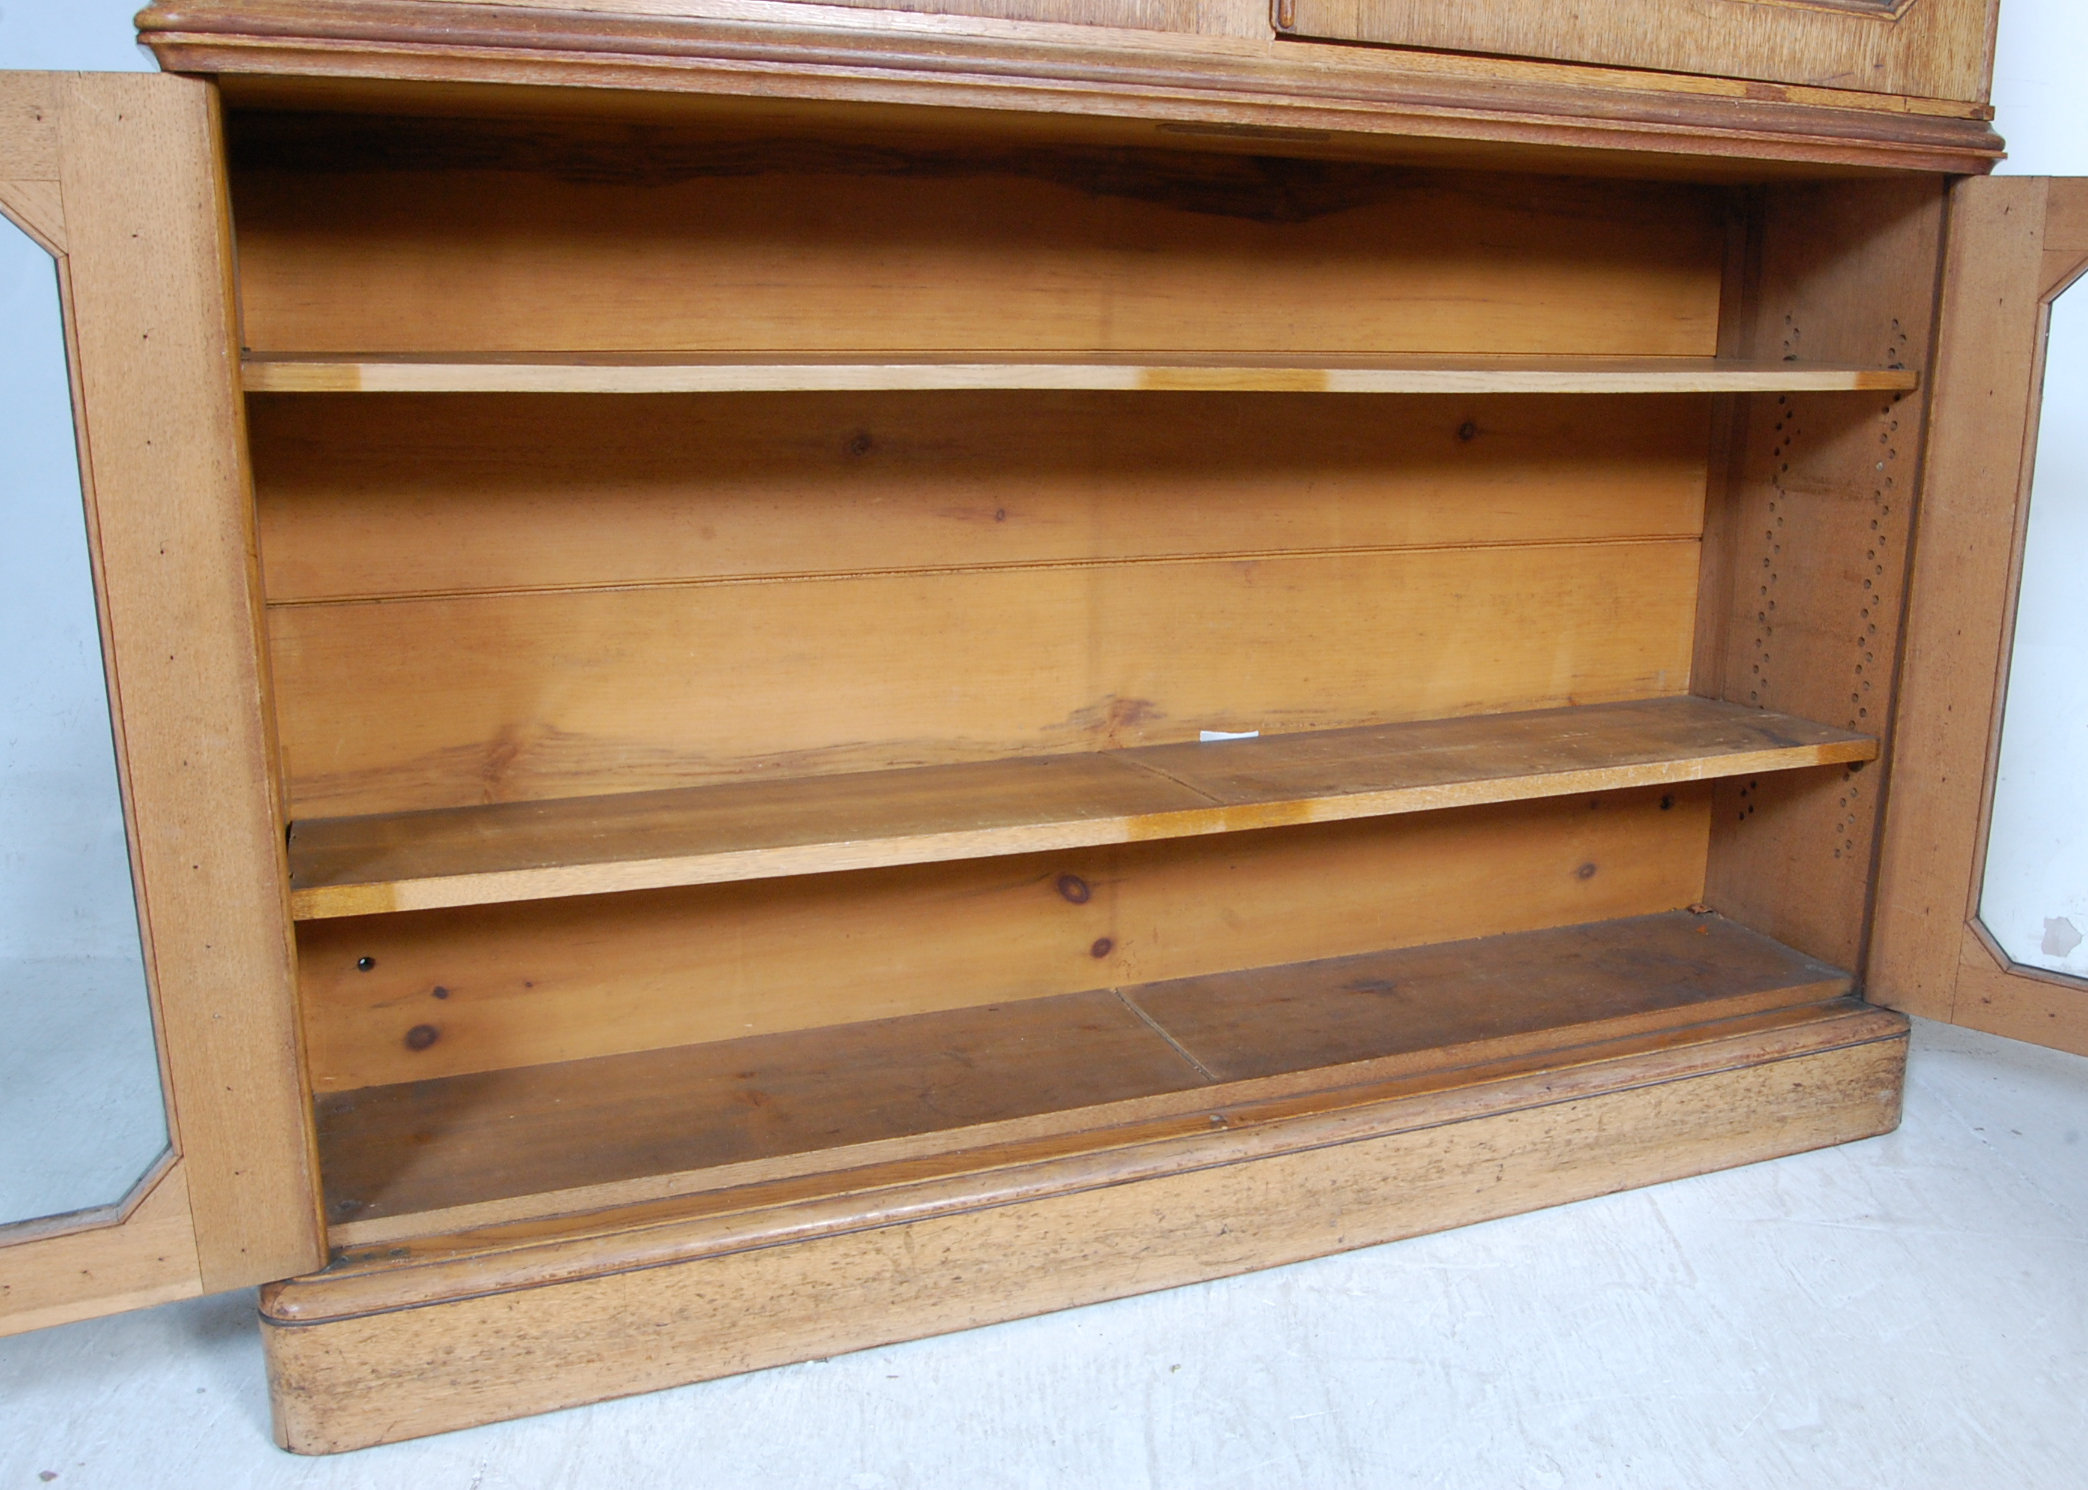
(763, 829)
(744, 372)
(980, 1088)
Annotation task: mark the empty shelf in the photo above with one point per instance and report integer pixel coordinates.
(1220, 372)
(1071, 1073)
(806, 825)
(811, 825)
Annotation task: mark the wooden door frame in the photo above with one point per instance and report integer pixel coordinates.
(1929, 49)
(2015, 244)
(120, 177)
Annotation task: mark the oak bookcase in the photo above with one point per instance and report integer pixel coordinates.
(797, 675)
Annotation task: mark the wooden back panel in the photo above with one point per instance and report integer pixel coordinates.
(386, 496)
(596, 595)
(416, 235)
(493, 987)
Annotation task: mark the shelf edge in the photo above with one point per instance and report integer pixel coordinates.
(506, 886)
(378, 375)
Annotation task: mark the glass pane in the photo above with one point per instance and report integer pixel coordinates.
(2035, 898)
(82, 1116)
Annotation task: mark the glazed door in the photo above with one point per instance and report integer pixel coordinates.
(1940, 49)
(1940, 947)
(153, 1130)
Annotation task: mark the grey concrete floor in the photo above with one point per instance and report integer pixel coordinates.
(1909, 1311)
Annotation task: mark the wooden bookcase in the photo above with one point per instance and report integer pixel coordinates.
(916, 668)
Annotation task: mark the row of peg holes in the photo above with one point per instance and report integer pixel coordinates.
(1865, 635)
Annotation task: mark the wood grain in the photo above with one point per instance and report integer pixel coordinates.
(881, 36)
(1411, 105)
(1035, 1152)
(1819, 528)
(553, 980)
(38, 209)
(1134, 1141)
(2003, 997)
(31, 106)
(432, 1145)
(605, 1211)
(2013, 245)
(2065, 235)
(540, 695)
(1148, 15)
(1927, 48)
(1150, 372)
(1738, 300)
(1974, 500)
(147, 1258)
(436, 1145)
(818, 249)
(151, 319)
(764, 829)
(346, 1371)
(367, 497)
(1605, 978)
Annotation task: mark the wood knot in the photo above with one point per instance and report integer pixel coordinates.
(421, 1036)
(1074, 888)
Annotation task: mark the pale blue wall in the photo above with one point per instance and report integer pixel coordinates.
(71, 35)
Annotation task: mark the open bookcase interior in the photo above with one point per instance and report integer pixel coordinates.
(761, 829)
(802, 758)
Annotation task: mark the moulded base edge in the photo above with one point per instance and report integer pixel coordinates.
(1420, 1164)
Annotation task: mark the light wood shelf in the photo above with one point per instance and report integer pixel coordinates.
(1228, 372)
(847, 1110)
(805, 825)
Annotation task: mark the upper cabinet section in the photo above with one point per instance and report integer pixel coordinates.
(1237, 17)
(1928, 49)
(1706, 89)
